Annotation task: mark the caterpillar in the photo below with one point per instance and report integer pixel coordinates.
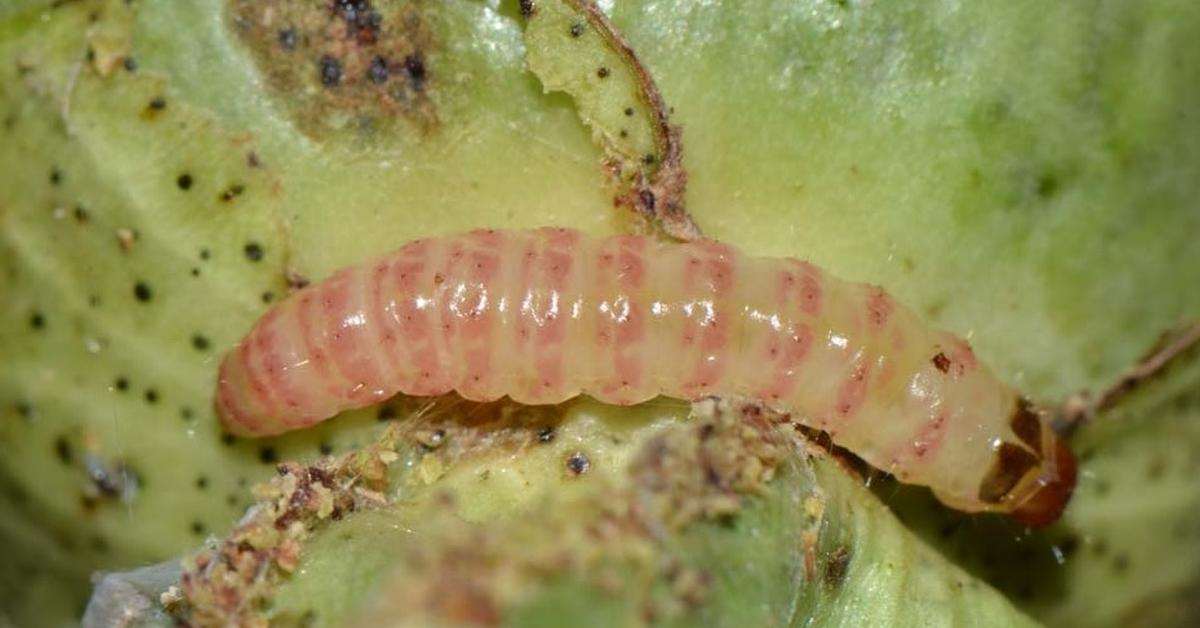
(546, 315)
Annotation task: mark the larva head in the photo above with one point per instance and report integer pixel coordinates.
(1031, 479)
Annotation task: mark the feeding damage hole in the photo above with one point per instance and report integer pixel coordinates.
(343, 61)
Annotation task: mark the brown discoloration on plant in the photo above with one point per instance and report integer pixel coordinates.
(343, 62)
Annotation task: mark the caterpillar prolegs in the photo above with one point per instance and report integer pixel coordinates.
(545, 315)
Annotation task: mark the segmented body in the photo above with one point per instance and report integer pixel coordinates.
(543, 316)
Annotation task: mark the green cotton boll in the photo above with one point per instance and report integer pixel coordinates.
(1023, 174)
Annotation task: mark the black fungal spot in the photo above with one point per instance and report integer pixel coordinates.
(267, 297)
(37, 321)
(330, 71)
(232, 192)
(414, 68)
(201, 482)
(186, 413)
(228, 439)
(325, 449)
(378, 71)
(158, 103)
(287, 39)
(576, 29)
(578, 463)
(629, 111)
(386, 413)
(253, 251)
(63, 450)
(649, 159)
(121, 384)
(141, 292)
(546, 434)
(267, 455)
(603, 72)
(837, 566)
(81, 215)
(527, 8)
(1047, 185)
(195, 272)
(184, 181)
(55, 176)
(151, 396)
(199, 342)
(198, 528)
(205, 254)
(131, 64)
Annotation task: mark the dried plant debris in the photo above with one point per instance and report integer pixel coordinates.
(228, 584)
(573, 47)
(339, 63)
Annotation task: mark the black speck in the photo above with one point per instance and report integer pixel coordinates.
(623, 133)
(184, 181)
(151, 396)
(649, 159)
(1047, 185)
(205, 254)
(267, 297)
(546, 434)
(266, 455)
(378, 71)
(578, 463)
(576, 29)
(130, 64)
(63, 449)
(287, 39)
(55, 176)
(186, 413)
(253, 251)
(202, 482)
(121, 384)
(527, 8)
(232, 192)
(629, 111)
(200, 342)
(603, 72)
(198, 528)
(386, 413)
(414, 67)
(158, 103)
(81, 214)
(142, 292)
(232, 500)
(37, 321)
(228, 439)
(330, 71)
(325, 448)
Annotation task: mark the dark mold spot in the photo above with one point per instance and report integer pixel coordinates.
(81, 215)
(63, 450)
(527, 8)
(37, 321)
(1047, 185)
(141, 292)
(205, 254)
(603, 72)
(649, 159)
(201, 482)
(576, 29)
(151, 396)
(253, 251)
(55, 176)
(232, 192)
(184, 181)
(386, 413)
(941, 362)
(330, 71)
(414, 67)
(546, 434)
(267, 297)
(1011, 464)
(158, 103)
(325, 449)
(266, 455)
(578, 463)
(121, 384)
(130, 64)
(287, 39)
(199, 342)
(198, 528)
(629, 111)
(836, 567)
(195, 272)
(186, 413)
(228, 439)
(378, 71)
